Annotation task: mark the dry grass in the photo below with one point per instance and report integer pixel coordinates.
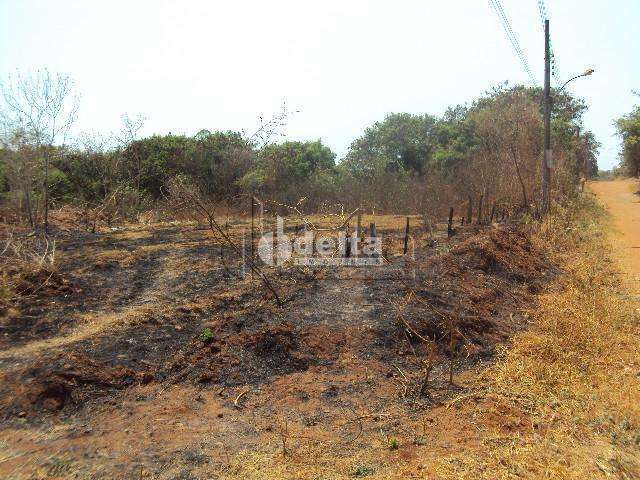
(572, 382)
(27, 263)
(576, 374)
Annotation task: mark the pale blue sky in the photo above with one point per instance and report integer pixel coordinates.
(189, 65)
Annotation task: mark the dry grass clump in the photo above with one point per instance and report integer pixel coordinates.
(27, 265)
(575, 374)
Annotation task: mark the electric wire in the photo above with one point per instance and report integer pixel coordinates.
(513, 38)
(544, 15)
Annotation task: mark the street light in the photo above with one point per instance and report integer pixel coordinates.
(585, 74)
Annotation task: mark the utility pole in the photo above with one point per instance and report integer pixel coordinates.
(253, 214)
(580, 158)
(547, 158)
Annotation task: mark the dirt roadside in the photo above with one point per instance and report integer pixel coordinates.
(622, 201)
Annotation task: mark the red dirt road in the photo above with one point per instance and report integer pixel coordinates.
(619, 198)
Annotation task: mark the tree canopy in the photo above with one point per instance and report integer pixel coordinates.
(629, 130)
(419, 162)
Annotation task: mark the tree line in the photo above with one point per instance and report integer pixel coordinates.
(628, 127)
(404, 163)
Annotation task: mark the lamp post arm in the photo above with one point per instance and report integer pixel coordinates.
(585, 74)
(568, 81)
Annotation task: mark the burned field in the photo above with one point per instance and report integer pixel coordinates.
(150, 338)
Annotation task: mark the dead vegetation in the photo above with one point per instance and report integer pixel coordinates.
(353, 376)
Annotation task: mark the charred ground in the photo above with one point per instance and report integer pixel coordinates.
(134, 314)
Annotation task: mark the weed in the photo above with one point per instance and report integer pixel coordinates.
(363, 471)
(206, 336)
(419, 441)
(393, 444)
(59, 467)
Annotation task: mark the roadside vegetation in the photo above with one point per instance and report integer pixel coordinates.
(629, 130)
(574, 374)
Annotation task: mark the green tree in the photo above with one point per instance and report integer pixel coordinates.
(289, 171)
(629, 130)
(402, 141)
(456, 140)
(216, 160)
(509, 122)
(150, 162)
(222, 159)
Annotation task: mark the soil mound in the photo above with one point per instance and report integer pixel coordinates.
(503, 251)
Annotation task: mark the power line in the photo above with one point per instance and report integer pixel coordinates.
(542, 8)
(544, 15)
(512, 37)
(511, 34)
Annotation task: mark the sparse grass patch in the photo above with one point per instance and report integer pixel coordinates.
(115, 257)
(58, 467)
(363, 471)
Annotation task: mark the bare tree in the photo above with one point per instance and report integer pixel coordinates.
(43, 106)
(504, 166)
(275, 127)
(128, 134)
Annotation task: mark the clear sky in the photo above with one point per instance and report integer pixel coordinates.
(188, 65)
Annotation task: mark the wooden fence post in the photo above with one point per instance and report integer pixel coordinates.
(450, 223)
(357, 235)
(406, 237)
(253, 215)
(373, 233)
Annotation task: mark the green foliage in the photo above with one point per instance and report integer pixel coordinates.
(456, 139)
(492, 147)
(289, 171)
(629, 130)
(294, 161)
(152, 161)
(60, 186)
(217, 159)
(222, 159)
(206, 336)
(414, 161)
(402, 141)
(363, 471)
(394, 444)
